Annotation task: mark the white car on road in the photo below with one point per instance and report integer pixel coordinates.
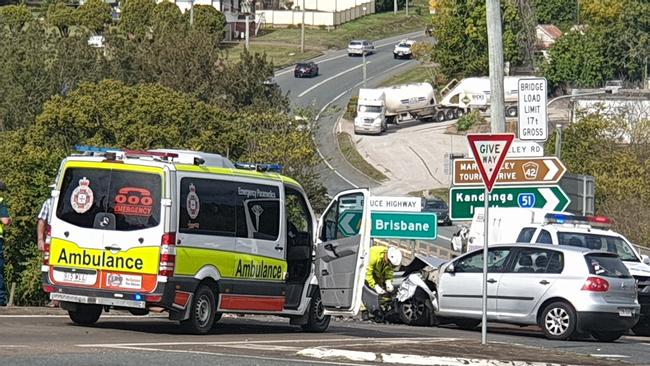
(360, 47)
(403, 49)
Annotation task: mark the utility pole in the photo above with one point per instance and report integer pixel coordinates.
(191, 13)
(302, 29)
(495, 54)
(247, 30)
(407, 7)
(395, 7)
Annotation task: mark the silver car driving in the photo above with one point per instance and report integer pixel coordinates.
(565, 290)
(360, 47)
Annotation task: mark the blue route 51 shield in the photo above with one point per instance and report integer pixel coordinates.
(526, 200)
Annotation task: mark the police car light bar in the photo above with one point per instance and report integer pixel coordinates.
(593, 221)
(600, 221)
(275, 168)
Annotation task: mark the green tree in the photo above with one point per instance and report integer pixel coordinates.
(167, 16)
(94, 15)
(209, 20)
(61, 16)
(562, 13)
(15, 17)
(460, 28)
(137, 17)
(578, 60)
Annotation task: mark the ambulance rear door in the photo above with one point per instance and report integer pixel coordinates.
(342, 252)
(107, 226)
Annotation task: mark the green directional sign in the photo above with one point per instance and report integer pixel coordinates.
(464, 200)
(350, 222)
(404, 225)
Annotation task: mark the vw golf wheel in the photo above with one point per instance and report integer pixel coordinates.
(414, 311)
(558, 321)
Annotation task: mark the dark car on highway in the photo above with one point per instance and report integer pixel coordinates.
(303, 69)
(439, 207)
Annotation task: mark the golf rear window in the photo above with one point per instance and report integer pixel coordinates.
(110, 199)
(606, 265)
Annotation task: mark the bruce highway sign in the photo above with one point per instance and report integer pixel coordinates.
(544, 170)
(464, 200)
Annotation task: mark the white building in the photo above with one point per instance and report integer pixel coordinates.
(328, 13)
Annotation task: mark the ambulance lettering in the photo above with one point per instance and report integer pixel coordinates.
(258, 270)
(103, 260)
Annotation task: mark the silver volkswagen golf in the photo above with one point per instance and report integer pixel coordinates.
(564, 290)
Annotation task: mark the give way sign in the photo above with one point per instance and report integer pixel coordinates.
(489, 152)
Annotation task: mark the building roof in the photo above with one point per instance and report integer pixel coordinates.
(551, 30)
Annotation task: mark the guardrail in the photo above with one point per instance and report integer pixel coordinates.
(411, 247)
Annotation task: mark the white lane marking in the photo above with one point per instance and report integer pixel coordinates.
(290, 360)
(398, 358)
(274, 341)
(12, 346)
(321, 353)
(607, 356)
(444, 237)
(331, 78)
(67, 316)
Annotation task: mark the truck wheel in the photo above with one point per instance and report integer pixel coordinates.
(202, 311)
(414, 311)
(440, 116)
(558, 321)
(86, 314)
(384, 126)
(450, 114)
(318, 322)
(511, 111)
(460, 112)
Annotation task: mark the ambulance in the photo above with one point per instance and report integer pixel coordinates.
(196, 236)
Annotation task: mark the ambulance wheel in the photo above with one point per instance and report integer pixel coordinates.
(202, 311)
(86, 314)
(318, 322)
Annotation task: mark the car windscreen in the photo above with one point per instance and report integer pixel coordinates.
(303, 65)
(110, 199)
(405, 45)
(605, 265)
(355, 43)
(370, 108)
(605, 243)
(440, 205)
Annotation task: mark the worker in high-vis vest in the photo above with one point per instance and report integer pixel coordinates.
(5, 221)
(379, 275)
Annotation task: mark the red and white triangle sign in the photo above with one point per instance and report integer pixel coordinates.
(490, 152)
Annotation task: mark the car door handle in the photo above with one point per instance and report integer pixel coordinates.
(544, 282)
(279, 248)
(491, 280)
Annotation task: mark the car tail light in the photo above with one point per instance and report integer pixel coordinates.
(48, 288)
(167, 255)
(46, 254)
(595, 284)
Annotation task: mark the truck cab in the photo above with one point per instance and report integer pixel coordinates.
(537, 226)
(371, 112)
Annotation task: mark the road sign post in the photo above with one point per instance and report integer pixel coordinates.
(532, 118)
(489, 154)
(544, 170)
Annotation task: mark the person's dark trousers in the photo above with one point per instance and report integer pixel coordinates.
(3, 295)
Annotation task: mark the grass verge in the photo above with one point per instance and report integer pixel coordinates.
(373, 26)
(442, 193)
(281, 56)
(418, 74)
(351, 154)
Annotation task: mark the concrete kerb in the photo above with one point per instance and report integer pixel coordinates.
(337, 126)
(408, 359)
(31, 310)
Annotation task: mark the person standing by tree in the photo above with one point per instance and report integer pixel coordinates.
(5, 221)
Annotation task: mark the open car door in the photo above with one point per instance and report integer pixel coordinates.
(342, 252)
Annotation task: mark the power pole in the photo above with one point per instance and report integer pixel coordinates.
(247, 30)
(191, 13)
(395, 7)
(302, 29)
(407, 7)
(495, 54)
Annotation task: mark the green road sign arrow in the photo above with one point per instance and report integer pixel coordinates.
(465, 200)
(350, 222)
(404, 225)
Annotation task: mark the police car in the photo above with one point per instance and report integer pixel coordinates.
(197, 236)
(403, 49)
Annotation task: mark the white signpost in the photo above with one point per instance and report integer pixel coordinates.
(525, 149)
(400, 204)
(489, 152)
(533, 122)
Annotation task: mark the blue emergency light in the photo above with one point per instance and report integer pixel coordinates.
(137, 297)
(275, 168)
(94, 149)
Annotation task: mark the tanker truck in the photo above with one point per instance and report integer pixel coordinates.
(376, 108)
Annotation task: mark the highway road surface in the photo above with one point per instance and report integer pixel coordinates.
(340, 77)
(49, 340)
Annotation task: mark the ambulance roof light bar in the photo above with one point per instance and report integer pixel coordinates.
(274, 168)
(94, 150)
(152, 154)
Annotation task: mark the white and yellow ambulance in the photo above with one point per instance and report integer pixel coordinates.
(195, 235)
